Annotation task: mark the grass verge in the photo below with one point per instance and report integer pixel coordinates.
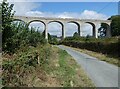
(67, 71)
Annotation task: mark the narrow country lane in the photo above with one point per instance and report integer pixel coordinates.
(101, 73)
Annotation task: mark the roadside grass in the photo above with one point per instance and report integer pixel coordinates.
(100, 56)
(65, 69)
(48, 66)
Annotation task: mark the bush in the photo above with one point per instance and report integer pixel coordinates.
(22, 36)
(24, 63)
(53, 41)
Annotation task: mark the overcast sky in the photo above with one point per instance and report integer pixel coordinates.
(82, 10)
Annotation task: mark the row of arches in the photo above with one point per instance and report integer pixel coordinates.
(63, 26)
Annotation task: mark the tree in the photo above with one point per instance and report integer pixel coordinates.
(49, 37)
(0, 27)
(7, 17)
(102, 30)
(115, 26)
(75, 35)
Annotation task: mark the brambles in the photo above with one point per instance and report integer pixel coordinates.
(24, 63)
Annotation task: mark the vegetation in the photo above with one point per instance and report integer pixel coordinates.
(6, 22)
(21, 36)
(43, 66)
(29, 61)
(100, 56)
(18, 45)
(16, 35)
(53, 41)
(75, 35)
(107, 46)
(16, 68)
(92, 39)
(115, 26)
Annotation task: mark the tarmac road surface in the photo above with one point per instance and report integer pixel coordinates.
(101, 73)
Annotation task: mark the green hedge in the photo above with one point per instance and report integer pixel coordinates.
(109, 48)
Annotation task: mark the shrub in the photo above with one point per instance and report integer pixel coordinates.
(19, 67)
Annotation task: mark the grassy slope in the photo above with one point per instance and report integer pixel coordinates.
(58, 70)
(100, 56)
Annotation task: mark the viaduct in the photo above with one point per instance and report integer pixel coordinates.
(63, 21)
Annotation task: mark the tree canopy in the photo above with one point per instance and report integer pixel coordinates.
(115, 26)
(7, 17)
(75, 35)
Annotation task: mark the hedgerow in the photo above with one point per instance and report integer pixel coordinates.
(108, 46)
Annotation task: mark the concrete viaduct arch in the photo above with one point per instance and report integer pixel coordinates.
(78, 25)
(62, 24)
(64, 21)
(94, 30)
(37, 21)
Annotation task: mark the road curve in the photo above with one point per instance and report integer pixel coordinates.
(101, 73)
